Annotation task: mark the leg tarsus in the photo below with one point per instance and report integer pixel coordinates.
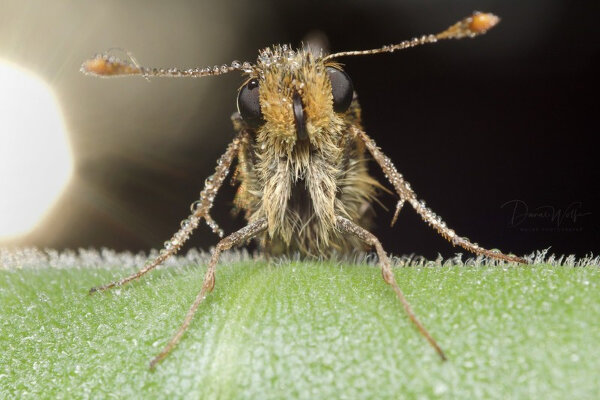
(129, 278)
(236, 238)
(347, 226)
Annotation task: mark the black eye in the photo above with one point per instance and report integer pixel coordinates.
(249, 105)
(341, 88)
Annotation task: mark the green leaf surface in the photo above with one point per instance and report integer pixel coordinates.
(302, 330)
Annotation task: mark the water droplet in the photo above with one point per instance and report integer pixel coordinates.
(247, 67)
(195, 205)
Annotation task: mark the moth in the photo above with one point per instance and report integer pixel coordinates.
(302, 155)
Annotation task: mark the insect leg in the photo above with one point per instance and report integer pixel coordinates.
(236, 238)
(200, 209)
(406, 194)
(347, 226)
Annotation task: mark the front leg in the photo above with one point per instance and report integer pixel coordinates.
(406, 194)
(346, 226)
(243, 235)
(200, 209)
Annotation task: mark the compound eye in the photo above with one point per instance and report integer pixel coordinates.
(341, 88)
(249, 105)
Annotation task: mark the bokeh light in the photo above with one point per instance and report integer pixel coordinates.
(35, 157)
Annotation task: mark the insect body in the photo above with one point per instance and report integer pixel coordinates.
(301, 157)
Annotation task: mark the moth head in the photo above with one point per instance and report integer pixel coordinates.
(294, 96)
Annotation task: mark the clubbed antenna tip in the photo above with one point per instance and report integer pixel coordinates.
(482, 22)
(476, 24)
(104, 66)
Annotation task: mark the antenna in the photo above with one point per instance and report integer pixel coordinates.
(104, 65)
(478, 23)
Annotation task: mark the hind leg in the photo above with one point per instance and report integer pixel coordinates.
(406, 194)
(236, 238)
(200, 209)
(347, 226)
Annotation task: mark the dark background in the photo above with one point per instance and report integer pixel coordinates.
(472, 124)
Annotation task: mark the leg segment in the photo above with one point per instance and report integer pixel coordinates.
(406, 194)
(200, 209)
(236, 238)
(347, 226)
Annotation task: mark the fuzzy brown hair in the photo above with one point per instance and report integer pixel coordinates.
(301, 186)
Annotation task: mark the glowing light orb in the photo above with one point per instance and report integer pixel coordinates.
(35, 157)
